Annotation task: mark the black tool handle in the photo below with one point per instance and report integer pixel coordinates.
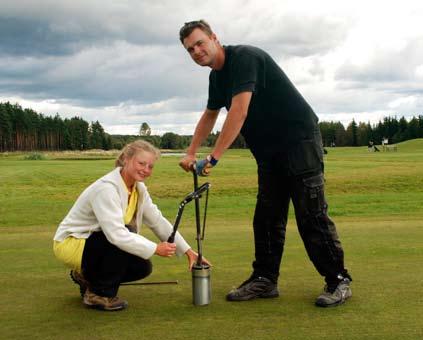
(171, 238)
(197, 219)
(192, 196)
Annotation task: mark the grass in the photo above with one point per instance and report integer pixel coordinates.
(375, 199)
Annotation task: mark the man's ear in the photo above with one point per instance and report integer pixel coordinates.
(214, 38)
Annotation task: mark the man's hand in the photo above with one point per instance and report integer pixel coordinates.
(204, 166)
(187, 162)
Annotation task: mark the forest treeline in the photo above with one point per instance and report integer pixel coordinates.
(26, 130)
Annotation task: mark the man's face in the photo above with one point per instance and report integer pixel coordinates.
(201, 47)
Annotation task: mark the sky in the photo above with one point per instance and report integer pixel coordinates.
(121, 62)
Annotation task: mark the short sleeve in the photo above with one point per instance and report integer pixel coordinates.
(248, 73)
(216, 97)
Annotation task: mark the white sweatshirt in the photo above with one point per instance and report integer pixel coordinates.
(102, 206)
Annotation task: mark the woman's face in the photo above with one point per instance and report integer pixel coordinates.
(140, 167)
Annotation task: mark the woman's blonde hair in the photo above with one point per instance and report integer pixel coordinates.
(131, 149)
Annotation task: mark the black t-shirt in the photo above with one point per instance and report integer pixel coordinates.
(278, 116)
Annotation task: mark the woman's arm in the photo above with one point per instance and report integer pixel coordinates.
(107, 208)
(160, 226)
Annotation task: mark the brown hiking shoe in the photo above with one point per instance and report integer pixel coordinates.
(79, 279)
(104, 303)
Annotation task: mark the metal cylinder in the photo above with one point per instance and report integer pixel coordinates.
(201, 285)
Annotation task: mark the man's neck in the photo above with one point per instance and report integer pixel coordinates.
(220, 59)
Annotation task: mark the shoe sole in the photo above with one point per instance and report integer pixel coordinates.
(252, 297)
(102, 308)
(321, 304)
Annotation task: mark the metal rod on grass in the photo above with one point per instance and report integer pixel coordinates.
(175, 282)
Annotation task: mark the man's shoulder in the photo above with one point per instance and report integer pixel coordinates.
(239, 50)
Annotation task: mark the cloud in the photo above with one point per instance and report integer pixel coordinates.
(121, 62)
(57, 27)
(105, 75)
(386, 66)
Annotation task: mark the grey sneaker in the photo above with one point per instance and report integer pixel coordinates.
(336, 295)
(79, 279)
(259, 287)
(103, 303)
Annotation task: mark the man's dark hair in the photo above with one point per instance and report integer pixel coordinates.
(188, 27)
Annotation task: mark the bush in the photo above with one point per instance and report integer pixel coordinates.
(35, 157)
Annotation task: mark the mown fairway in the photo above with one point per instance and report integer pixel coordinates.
(375, 199)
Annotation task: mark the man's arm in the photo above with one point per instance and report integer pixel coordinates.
(202, 130)
(233, 123)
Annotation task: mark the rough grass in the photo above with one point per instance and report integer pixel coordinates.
(375, 199)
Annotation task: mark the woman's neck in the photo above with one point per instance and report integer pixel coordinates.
(129, 181)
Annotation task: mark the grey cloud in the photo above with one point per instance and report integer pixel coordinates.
(95, 53)
(289, 34)
(106, 76)
(106, 52)
(20, 36)
(391, 72)
(121, 61)
(59, 28)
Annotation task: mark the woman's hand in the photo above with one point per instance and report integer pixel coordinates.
(192, 259)
(165, 249)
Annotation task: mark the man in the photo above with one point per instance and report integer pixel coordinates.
(281, 131)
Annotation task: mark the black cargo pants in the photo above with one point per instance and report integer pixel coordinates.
(297, 175)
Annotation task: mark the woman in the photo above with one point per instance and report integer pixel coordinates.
(99, 237)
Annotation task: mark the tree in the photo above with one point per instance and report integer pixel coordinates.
(107, 142)
(420, 119)
(352, 130)
(402, 132)
(96, 136)
(363, 134)
(413, 128)
(145, 129)
(340, 134)
(328, 131)
(78, 133)
(170, 140)
(211, 139)
(5, 129)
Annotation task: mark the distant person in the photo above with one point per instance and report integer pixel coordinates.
(98, 239)
(370, 146)
(282, 132)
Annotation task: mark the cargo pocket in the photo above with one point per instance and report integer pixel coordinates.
(315, 196)
(305, 157)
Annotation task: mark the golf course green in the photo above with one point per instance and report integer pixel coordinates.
(375, 199)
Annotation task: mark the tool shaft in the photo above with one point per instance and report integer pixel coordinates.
(175, 282)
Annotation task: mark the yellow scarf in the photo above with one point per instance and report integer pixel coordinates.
(132, 204)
